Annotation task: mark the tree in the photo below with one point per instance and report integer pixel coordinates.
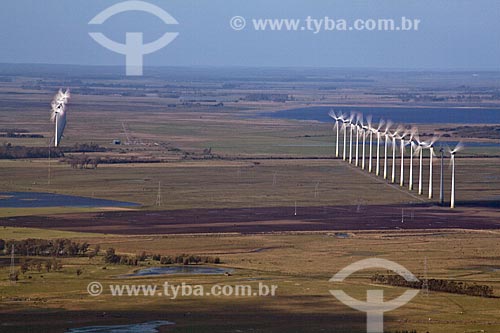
(111, 257)
(24, 267)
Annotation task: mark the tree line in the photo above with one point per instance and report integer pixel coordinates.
(45, 248)
(447, 286)
(112, 258)
(8, 151)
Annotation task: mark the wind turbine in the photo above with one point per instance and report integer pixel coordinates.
(370, 132)
(419, 150)
(413, 134)
(386, 144)
(393, 136)
(359, 118)
(402, 175)
(453, 152)
(431, 155)
(351, 118)
(344, 128)
(363, 132)
(421, 145)
(337, 120)
(441, 177)
(58, 114)
(377, 170)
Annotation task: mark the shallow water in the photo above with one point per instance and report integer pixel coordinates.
(194, 270)
(41, 199)
(148, 327)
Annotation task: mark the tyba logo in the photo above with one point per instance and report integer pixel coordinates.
(134, 49)
(374, 305)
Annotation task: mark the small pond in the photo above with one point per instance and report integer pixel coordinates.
(189, 270)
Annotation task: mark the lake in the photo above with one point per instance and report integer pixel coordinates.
(42, 199)
(186, 269)
(405, 115)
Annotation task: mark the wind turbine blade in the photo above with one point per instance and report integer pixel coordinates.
(458, 147)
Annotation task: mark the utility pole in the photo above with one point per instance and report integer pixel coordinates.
(158, 197)
(12, 266)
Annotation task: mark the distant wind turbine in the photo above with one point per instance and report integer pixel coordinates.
(377, 169)
(402, 174)
(453, 152)
(393, 136)
(413, 135)
(337, 120)
(344, 128)
(58, 114)
(386, 144)
(351, 127)
(419, 150)
(431, 155)
(370, 133)
(359, 117)
(364, 129)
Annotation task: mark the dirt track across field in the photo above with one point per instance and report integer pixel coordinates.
(257, 220)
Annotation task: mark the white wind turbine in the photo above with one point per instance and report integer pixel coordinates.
(421, 145)
(431, 155)
(337, 120)
(419, 151)
(363, 133)
(370, 133)
(393, 136)
(58, 114)
(402, 174)
(350, 121)
(386, 144)
(413, 135)
(344, 128)
(377, 169)
(359, 119)
(453, 152)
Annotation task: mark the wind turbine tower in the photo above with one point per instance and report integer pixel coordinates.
(441, 178)
(453, 152)
(431, 154)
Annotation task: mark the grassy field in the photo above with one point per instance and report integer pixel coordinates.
(258, 183)
(300, 265)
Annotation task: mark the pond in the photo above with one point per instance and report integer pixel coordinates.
(42, 199)
(189, 270)
(148, 327)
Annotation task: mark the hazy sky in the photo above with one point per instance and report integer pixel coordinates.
(453, 34)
